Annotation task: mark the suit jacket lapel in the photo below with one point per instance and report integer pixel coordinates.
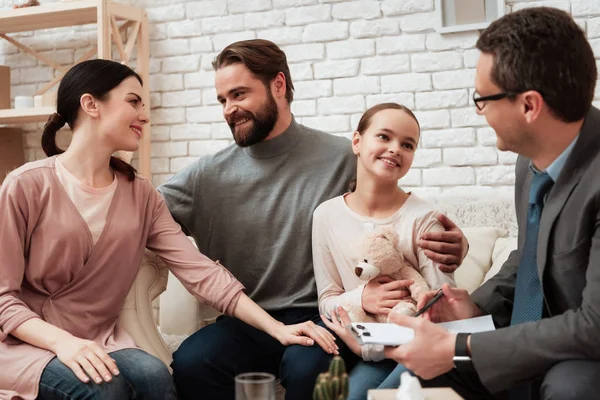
(585, 149)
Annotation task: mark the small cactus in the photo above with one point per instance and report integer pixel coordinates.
(332, 385)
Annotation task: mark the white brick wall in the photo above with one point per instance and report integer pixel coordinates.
(344, 56)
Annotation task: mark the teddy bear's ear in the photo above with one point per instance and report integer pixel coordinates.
(390, 235)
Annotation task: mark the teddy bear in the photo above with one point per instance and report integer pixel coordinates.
(381, 255)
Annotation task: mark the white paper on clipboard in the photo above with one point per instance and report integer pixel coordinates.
(395, 335)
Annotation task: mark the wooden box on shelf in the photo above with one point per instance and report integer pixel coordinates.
(11, 150)
(4, 87)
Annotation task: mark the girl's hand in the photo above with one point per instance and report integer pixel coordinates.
(338, 325)
(84, 355)
(381, 294)
(306, 334)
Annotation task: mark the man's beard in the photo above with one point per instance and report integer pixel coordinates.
(260, 125)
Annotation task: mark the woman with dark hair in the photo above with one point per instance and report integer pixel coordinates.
(74, 229)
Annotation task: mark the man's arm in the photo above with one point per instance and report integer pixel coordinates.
(179, 194)
(509, 356)
(448, 248)
(496, 296)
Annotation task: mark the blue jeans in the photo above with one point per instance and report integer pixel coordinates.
(368, 375)
(206, 363)
(142, 376)
(393, 379)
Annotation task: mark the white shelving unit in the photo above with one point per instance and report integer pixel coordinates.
(114, 22)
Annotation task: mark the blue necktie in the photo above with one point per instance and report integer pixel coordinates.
(529, 299)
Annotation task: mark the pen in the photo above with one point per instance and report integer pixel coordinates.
(431, 302)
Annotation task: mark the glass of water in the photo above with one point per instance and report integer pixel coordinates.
(255, 386)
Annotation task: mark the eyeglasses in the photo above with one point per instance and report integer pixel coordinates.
(480, 101)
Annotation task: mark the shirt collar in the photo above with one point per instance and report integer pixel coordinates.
(279, 145)
(557, 165)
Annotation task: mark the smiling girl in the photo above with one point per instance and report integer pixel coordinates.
(73, 233)
(385, 142)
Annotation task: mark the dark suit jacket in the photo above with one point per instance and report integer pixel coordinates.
(568, 259)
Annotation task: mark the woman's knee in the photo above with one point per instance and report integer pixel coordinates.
(148, 377)
(117, 388)
(58, 382)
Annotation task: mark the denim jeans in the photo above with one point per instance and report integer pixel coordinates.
(142, 376)
(368, 375)
(206, 363)
(393, 379)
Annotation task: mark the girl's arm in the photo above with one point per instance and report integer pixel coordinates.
(329, 282)
(214, 285)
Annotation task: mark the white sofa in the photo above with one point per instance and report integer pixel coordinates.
(488, 223)
(137, 315)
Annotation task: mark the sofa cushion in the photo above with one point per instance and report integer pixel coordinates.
(478, 261)
(504, 246)
(493, 210)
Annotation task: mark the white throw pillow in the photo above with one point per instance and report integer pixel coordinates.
(478, 261)
(502, 249)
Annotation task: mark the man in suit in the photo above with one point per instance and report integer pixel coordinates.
(534, 83)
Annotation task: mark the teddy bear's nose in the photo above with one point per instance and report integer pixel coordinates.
(358, 271)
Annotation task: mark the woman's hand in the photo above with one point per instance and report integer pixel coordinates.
(306, 334)
(84, 355)
(338, 325)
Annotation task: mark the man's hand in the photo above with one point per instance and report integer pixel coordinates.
(449, 248)
(455, 304)
(339, 322)
(306, 334)
(381, 294)
(430, 353)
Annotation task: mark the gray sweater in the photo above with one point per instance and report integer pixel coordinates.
(251, 209)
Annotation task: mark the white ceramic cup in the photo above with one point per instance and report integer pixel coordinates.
(23, 101)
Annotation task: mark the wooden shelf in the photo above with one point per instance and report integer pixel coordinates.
(114, 22)
(57, 15)
(25, 115)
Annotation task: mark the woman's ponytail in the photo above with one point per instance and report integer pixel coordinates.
(123, 167)
(55, 122)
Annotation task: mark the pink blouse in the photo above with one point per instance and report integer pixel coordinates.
(50, 268)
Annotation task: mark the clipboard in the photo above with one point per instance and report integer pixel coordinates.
(396, 335)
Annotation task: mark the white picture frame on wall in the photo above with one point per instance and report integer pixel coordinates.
(467, 15)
